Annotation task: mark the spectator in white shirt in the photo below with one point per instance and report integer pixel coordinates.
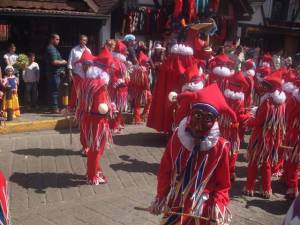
(10, 58)
(31, 77)
(74, 56)
(76, 52)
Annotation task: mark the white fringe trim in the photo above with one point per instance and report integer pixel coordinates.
(234, 95)
(278, 97)
(193, 86)
(182, 49)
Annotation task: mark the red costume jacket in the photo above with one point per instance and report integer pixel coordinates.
(268, 128)
(293, 127)
(209, 179)
(95, 127)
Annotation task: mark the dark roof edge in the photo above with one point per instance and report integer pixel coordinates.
(51, 13)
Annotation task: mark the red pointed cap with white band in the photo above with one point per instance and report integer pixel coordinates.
(210, 99)
(86, 57)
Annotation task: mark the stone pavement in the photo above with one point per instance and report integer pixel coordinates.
(47, 183)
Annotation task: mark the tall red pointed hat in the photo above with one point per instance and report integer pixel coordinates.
(238, 79)
(249, 64)
(142, 58)
(86, 57)
(192, 74)
(223, 60)
(210, 99)
(290, 76)
(275, 79)
(120, 47)
(105, 57)
(267, 57)
(264, 71)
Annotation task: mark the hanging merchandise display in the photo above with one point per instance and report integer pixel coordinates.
(144, 20)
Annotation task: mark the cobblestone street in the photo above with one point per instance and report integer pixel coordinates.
(47, 182)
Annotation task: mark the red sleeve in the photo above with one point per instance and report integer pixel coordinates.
(260, 116)
(222, 179)
(165, 171)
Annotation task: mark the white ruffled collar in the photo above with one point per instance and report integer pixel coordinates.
(119, 56)
(188, 141)
(288, 87)
(234, 95)
(296, 94)
(277, 96)
(93, 72)
(193, 86)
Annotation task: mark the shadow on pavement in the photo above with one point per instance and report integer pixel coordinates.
(135, 166)
(141, 139)
(277, 207)
(37, 152)
(41, 181)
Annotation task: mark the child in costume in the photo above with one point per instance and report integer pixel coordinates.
(11, 81)
(267, 134)
(194, 178)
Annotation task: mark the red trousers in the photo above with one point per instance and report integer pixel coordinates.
(117, 121)
(137, 107)
(93, 165)
(266, 174)
(292, 175)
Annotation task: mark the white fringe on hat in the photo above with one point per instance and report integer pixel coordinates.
(182, 49)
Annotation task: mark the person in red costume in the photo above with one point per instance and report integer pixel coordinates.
(4, 210)
(221, 70)
(118, 86)
(79, 71)
(248, 69)
(95, 108)
(292, 143)
(193, 178)
(267, 134)
(140, 89)
(235, 98)
(168, 80)
(288, 87)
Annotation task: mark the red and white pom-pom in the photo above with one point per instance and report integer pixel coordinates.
(103, 108)
(172, 96)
